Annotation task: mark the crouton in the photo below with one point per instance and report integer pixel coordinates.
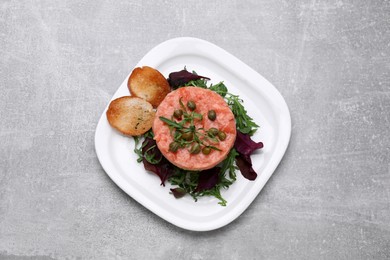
(130, 115)
(149, 84)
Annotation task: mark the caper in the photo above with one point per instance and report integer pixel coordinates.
(206, 150)
(221, 135)
(212, 115)
(174, 146)
(213, 132)
(188, 136)
(178, 113)
(195, 149)
(191, 105)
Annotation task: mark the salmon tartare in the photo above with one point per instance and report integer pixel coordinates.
(194, 128)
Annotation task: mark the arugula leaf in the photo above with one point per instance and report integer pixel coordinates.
(171, 122)
(220, 88)
(138, 150)
(244, 122)
(229, 165)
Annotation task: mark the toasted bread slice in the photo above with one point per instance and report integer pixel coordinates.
(149, 84)
(130, 115)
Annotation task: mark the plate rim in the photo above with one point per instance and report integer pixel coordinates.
(240, 208)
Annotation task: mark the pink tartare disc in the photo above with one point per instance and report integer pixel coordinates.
(205, 101)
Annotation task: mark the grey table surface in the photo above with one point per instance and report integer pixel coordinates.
(61, 62)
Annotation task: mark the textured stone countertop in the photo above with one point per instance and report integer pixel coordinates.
(61, 62)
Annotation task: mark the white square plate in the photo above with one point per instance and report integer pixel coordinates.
(263, 103)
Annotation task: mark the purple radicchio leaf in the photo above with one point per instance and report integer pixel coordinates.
(176, 79)
(160, 166)
(208, 179)
(178, 192)
(244, 163)
(245, 146)
(149, 148)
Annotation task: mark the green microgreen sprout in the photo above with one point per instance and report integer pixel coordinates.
(186, 135)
